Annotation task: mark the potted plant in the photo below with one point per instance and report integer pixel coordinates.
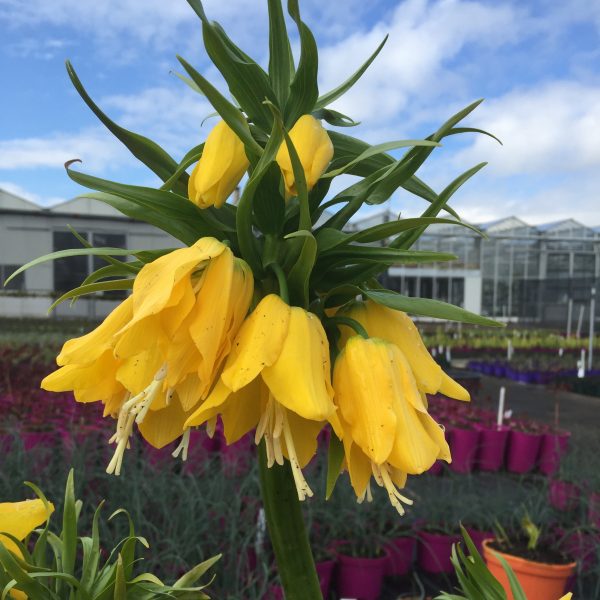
(362, 559)
(541, 569)
(463, 446)
(523, 446)
(553, 447)
(563, 495)
(492, 447)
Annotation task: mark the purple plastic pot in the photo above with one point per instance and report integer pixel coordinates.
(325, 572)
(360, 578)
(436, 468)
(401, 553)
(594, 509)
(463, 448)
(491, 449)
(522, 451)
(582, 547)
(434, 551)
(553, 447)
(563, 495)
(33, 439)
(479, 536)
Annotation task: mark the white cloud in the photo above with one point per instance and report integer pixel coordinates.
(152, 22)
(41, 49)
(547, 129)
(424, 37)
(96, 148)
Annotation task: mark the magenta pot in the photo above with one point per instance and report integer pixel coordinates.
(360, 578)
(553, 447)
(522, 451)
(33, 439)
(436, 469)
(479, 537)
(463, 448)
(401, 553)
(563, 495)
(434, 551)
(594, 509)
(582, 547)
(325, 572)
(491, 449)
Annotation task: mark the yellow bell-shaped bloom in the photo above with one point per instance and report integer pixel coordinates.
(314, 149)
(277, 379)
(157, 355)
(220, 168)
(19, 519)
(398, 328)
(383, 413)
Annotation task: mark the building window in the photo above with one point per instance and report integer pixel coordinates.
(17, 284)
(68, 272)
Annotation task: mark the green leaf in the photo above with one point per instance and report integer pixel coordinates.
(246, 238)
(69, 528)
(379, 149)
(189, 159)
(72, 252)
(304, 89)
(229, 113)
(335, 118)
(281, 60)
(91, 556)
(189, 82)
(335, 457)
(25, 582)
(107, 272)
(428, 308)
(189, 578)
(165, 205)
(92, 288)
(334, 94)
(120, 584)
(456, 130)
(407, 240)
(268, 204)
(247, 81)
(299, 275)
(329, 239)
(144, 149)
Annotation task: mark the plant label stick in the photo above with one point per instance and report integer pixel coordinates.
(501, 406)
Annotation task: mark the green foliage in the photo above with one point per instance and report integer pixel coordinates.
(262, 107)
(475, 581)
(55, 568)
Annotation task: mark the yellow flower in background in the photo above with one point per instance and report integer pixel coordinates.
(220, 168)
(384, 415)
(314, 149)
(398, 328)
(277, 379)
(19, 519)
(566, 596)
(157, 355)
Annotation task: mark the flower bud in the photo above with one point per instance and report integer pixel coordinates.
(220, 168)
(314, 149)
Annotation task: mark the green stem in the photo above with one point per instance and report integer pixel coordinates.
(281, 281)
(294, 558)
(353, 323)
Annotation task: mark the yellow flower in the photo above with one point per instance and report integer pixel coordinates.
(314, 149)
(157, 355)
(567, 596)
(277, 379)
(398, 328)
(19, 519)
(220, 168)
(384, 415)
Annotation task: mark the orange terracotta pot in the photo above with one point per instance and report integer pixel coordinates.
(540, 581)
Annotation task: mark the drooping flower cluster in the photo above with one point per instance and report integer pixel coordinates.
(256, 320)
(156, 356)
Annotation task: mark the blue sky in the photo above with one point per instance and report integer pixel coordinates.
(535, 62)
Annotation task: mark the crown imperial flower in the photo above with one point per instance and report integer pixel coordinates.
(220, 168)
(315, 151)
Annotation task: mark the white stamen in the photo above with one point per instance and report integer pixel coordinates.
(211, 427)
(184, 445)
(302, 486)
(384, 480)
(133, 411)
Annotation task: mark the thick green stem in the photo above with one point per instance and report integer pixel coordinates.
(295, 562)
